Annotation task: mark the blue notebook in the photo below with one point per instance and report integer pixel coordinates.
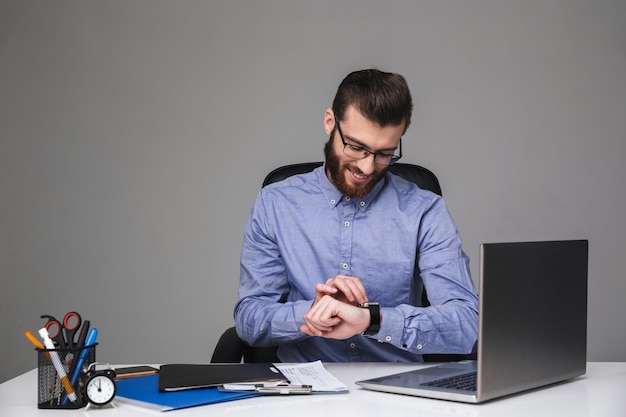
(143, 391)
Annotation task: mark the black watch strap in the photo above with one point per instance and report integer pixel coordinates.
(374, 309)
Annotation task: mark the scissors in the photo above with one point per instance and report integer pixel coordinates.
(63, 333)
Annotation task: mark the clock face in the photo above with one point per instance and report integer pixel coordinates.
(100, 389)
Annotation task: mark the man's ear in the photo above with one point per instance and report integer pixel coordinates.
(329, 121)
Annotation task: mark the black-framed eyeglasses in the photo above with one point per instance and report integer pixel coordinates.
(359, 152)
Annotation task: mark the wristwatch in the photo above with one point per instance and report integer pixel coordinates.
(374, 309)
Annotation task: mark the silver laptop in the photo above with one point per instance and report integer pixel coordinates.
(532, 326)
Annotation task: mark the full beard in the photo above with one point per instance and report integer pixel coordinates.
(336, 173)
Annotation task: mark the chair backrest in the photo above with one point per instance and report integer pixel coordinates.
(231, 349)
(421, 176)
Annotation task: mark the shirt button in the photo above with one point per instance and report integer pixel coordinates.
(419, 346)
(352, 345)
(362, 203)
(332, 202)
(388, 338)
(344, 266)
(346, 224)
(347, 198)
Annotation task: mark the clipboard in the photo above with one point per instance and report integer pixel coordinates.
(268, 389)
(305, 378)
(284, 389)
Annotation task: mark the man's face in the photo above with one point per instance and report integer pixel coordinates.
(355, 178)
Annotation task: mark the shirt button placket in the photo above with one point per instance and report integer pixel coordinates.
(346, 237)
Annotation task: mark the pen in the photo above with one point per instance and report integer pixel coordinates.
(43, 332)
(284, 389)
(91, 340)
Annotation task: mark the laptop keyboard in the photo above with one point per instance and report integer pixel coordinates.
(466, 382)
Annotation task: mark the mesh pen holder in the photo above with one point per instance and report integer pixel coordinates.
(52, 390)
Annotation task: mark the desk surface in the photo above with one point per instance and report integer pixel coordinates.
(601, 392)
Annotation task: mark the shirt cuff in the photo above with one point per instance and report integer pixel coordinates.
(391, 327)
(300, 308)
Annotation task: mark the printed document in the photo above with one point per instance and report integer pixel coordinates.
(311, 373)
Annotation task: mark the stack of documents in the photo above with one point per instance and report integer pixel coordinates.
(182, 386)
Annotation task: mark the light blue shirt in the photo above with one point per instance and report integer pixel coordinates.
(397, 240)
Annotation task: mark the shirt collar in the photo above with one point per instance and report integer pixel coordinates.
(333, 195)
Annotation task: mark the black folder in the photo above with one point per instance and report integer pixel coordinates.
(177, 377)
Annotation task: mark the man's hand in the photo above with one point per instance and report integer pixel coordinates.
(343, 288)
(335, 319)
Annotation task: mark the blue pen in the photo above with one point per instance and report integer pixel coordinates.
(89, 342)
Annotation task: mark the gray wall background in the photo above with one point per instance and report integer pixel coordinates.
(134, 136)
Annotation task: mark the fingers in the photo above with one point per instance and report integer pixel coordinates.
(323, 289)
(322, 316)
(334, 319)
(351, 287)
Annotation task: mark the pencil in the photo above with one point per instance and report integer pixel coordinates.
(32, 339)
(35, 342)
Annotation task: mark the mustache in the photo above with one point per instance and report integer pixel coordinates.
(356, 170)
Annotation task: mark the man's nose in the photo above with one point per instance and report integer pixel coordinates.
(367, 165)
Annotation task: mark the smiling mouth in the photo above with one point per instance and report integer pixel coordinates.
(359, 178)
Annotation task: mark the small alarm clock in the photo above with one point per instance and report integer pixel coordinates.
(100, 387)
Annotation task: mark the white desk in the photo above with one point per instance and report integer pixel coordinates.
(600, 393)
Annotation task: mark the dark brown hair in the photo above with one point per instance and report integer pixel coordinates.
(382, 97)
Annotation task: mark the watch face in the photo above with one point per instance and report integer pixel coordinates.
(100, 389)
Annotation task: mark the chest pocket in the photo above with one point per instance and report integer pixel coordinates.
(389, 283)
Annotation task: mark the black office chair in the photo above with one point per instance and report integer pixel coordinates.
(231, 349)
(419, 175)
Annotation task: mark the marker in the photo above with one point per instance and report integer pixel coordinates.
(43, 332)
